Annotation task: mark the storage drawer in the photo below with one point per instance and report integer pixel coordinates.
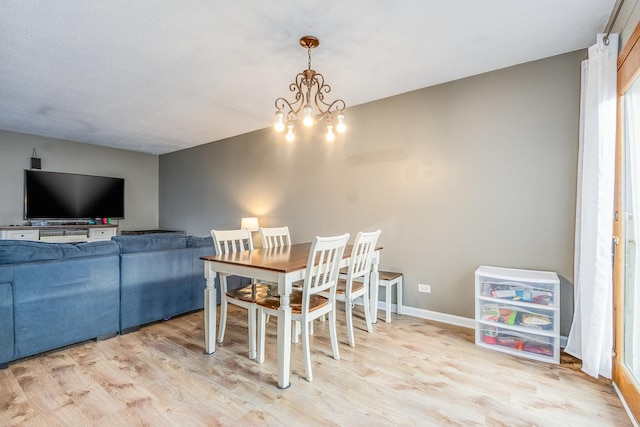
(534, 293)
(101, 233)
(544, 348)
(518, 316)
(20, 235)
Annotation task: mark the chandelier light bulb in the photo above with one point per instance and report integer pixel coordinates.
(308, 120)
(330, 135)
(279, 125)
(341, 126)
(290, 137)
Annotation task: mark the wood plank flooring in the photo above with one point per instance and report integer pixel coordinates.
(411, 372)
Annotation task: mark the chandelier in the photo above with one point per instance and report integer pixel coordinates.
(309, 104)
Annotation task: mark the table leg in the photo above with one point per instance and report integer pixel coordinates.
(373, 287)
(210, 306)
(284, 337)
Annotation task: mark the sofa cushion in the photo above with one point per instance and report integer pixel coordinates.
(197, 242)
(150, 242)
(57, 303)
(20, 251)
(100, 248)
(155, 285)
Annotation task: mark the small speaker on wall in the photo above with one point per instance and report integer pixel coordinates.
(36, 162)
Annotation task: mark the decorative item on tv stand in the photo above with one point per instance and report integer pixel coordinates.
(518, 312)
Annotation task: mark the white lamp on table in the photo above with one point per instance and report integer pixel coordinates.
(250, 223)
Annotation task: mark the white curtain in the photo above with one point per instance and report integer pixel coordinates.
(591, 335)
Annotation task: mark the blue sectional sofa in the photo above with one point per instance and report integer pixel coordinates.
(53, 295)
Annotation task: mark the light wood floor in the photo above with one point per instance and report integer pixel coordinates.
(411, 372)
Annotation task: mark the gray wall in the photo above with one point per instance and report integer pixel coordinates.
(477, 171)
(139, 170)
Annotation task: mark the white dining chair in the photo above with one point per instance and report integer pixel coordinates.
(278, 237)
(230, 241)
(275, 237)
(354, 284)
(321, 275)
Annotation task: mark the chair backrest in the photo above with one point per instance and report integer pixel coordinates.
(229, 241)
(274, 237)
(362, 253)
(323, 266)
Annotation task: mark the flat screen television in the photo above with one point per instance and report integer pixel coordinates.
(57, 195)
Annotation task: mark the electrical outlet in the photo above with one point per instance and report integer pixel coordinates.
(424, 288)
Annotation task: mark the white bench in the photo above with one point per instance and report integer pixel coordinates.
(388, 279)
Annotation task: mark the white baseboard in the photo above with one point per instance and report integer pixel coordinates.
(431, 315)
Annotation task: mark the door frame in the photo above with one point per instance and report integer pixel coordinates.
(628, 72)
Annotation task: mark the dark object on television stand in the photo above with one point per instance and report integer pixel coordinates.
(138, 232)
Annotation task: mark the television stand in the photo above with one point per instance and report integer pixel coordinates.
(60, 233)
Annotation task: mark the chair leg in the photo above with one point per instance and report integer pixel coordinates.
(223, 318)
(306, 351)
(388, 305)
(295, 331)
(252, 332)
(399, 295)
(374, 303)
(348, 308)
(367, 315)
(262, 326)
(333, 333)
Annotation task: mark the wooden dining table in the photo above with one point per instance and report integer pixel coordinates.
(284, 265)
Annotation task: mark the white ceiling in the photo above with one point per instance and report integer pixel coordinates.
(158, 76)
